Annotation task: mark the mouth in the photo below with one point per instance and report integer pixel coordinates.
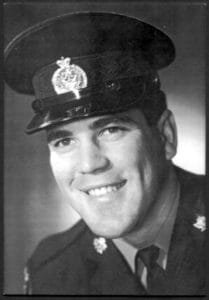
(105, 189)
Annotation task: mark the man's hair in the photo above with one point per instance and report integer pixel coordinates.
(153, 107)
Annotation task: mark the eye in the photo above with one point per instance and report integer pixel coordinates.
(112, 133)
(110, 130)
(63, 143)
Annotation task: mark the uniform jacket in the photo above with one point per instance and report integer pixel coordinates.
(68, 264)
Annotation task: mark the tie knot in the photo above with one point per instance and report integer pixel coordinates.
(148, 256)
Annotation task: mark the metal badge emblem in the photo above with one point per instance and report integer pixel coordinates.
(68, 78)
(200, 223)
(100, 245)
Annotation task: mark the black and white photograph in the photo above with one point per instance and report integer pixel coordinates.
(104, 148)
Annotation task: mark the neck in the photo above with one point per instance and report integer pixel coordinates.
(149, 229)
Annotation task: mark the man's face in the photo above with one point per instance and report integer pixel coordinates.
(111, 168)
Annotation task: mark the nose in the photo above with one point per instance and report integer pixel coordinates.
(92, 159)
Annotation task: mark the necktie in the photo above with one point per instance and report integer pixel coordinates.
(156, 280)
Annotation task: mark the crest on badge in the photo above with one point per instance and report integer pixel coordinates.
(100, 245)
(69, 78)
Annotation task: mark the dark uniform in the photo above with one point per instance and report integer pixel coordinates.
(89, 64)
(68, 264)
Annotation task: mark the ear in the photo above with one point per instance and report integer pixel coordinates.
(167, 128)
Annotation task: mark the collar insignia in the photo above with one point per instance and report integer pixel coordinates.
(100, 244)
(200, 223)
(68, 78)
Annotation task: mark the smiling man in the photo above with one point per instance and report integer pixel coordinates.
(111, 139)
(113, 191)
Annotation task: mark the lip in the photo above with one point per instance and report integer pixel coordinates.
(103, 185)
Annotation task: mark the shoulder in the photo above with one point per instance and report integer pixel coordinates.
(53, 246)
(192, 187)
(191, 210)
(188, 241)
(188, 178)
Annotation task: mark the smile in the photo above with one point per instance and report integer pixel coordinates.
(103, 190)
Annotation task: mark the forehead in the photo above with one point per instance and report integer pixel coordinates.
(132, 117)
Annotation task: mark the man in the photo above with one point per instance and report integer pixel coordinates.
(111, 140)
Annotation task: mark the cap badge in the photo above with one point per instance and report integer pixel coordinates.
(200, 223)
(100, 245)
(68, 78)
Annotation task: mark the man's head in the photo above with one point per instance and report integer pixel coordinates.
(113, 167)
(110, 135)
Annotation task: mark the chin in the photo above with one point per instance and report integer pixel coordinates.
(109, 232)
(106, 233)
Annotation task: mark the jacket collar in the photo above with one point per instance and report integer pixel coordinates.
(109, 272)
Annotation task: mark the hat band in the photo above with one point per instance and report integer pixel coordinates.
(43, 105)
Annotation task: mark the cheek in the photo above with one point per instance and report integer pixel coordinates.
(62, 168)
(127, 151)
(134, 155)
(140, 164)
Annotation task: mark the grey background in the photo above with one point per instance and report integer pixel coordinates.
(33, 206)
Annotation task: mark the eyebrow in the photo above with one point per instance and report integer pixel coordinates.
(112, 119)
(58, 134)
(100, 123)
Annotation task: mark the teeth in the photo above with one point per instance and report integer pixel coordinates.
(104, 190)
